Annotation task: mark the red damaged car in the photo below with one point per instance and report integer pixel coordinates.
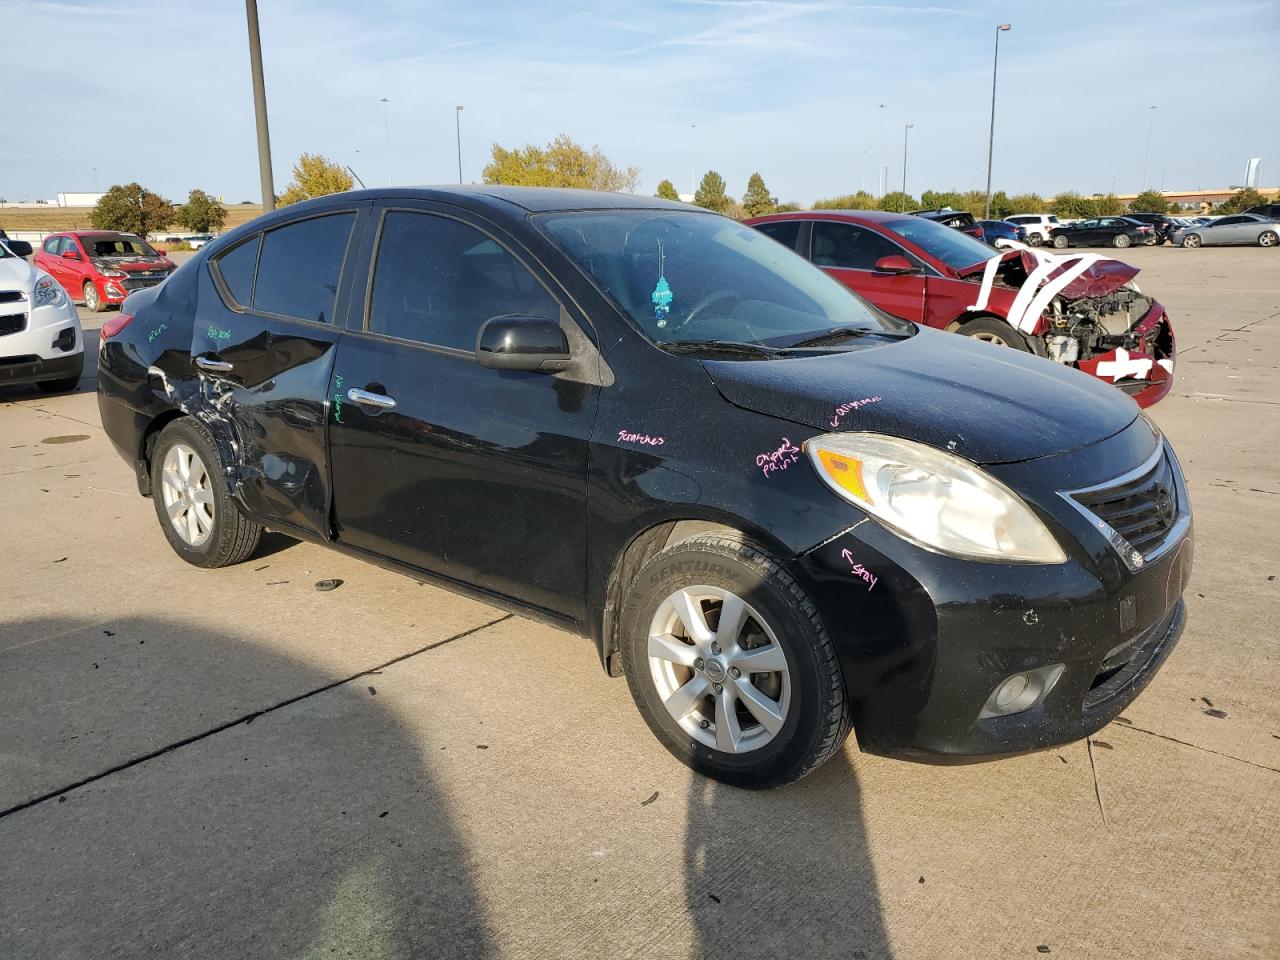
(1083, 310)
(101, 267)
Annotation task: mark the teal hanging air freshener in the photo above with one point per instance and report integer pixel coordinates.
(661, 292)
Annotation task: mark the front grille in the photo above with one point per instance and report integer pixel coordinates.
(141, 283)
(1142, 510)
(12, 296)
(13, 323)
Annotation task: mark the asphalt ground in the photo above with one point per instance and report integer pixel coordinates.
(230, 764)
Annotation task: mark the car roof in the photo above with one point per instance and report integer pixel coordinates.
(875, 216)
(531, 199)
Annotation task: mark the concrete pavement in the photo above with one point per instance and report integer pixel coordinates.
(228, 763)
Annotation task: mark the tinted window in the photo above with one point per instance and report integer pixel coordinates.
(850, 247)
(299, 267)
(235, 267)
(437, 280)
(51, 244)
(952, 247)
(786, 232)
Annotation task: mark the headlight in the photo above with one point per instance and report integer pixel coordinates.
(936, 499)
(47, 293)
(111, 272)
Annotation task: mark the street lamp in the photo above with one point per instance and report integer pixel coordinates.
(692, 182)
(1151, 122)
(862, 171)
(880, 181)
(386, 120)
(457, 123)
(904, 165)
(260, 107)
(991, 136)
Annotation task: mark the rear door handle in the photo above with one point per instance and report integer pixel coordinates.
(367, 399)
(214, 366)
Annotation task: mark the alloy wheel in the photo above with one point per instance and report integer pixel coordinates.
(91, 297)
(1268, 239)
(188, 494)
(992, 338)
(719, 669)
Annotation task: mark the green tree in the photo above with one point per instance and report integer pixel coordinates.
(898, 202)
(848, 201)
(667, 191)
(561, 163)
(315, 176)
(789, 207)
(1107, 205)
(1149, 201)
(711, 192)
(131, 208)
(757, 201)
(201, 213)
(1001, 205)
(1071, 204)
(941, 199)
(1026, 203)
(1240, 201)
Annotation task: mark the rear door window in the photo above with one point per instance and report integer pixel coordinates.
(786, 232)
(236, 268)
(848, 247)
(299, 267)
(437, 280)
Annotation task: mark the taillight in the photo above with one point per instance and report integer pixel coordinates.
(113, 326)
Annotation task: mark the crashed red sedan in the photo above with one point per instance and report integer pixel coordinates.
(1083, 310)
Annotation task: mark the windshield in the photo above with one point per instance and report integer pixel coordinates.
(952, 247)
(699, 277)
(117, 247)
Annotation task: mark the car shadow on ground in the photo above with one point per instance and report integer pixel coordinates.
(313, 829)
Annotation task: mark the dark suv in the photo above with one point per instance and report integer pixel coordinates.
(1162, 225)
(1271, 210)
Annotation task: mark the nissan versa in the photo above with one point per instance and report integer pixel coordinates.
(779, 512)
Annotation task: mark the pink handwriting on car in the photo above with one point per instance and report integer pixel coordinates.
(779, 459)
(858, 570)
(851, 406)
(641, 438)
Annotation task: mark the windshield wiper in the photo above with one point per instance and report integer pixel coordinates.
(755, 350)
(837, 333)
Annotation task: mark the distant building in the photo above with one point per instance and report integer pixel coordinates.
(1199, 200)
(78, 199)
(1251, 171)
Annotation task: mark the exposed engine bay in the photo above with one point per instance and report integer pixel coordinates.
(1079, 329)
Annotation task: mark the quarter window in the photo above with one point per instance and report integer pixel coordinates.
(849, 247)
(437, 280)
(236, 268)
(299, 267)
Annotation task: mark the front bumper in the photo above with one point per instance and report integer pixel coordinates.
(50, 345)
(1146, 374)
(924, 649)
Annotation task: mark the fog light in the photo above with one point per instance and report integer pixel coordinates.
(1022, 691)
(66, 339)
(115, 290)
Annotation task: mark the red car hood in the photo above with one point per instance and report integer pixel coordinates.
(133, 264)
(1098, 279)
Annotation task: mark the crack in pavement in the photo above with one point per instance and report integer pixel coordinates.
(1225, 330)
(246, 718)
(1193, 746)
(44, 466)
(21, 406)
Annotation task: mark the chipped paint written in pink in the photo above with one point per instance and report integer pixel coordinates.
(787, 454)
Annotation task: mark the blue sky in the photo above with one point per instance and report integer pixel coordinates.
(159, 91)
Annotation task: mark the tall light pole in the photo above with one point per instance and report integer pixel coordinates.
(457, 123)
(904, 165)
(260, 108)
(692, 182)
(1151, 122)
(386, 120)
(880, 181)
(862, 168)
(991, 136)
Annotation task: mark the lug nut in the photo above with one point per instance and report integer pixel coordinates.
(718, 687)
(704, 724)
(735, 672)
(715, 648)
(699, 663)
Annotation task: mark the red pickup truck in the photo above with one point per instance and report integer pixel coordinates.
(100, 267)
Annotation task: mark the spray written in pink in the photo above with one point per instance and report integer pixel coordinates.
(641, 438)
(779, 459)
(851, 406)
(858, 570)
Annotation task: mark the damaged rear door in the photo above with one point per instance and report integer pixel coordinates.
(262, 348)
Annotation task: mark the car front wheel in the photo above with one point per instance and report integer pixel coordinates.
(730, 663)
(193, 503)
(93, 302)
(1267, 238)
(996, 332)
(1059, 242)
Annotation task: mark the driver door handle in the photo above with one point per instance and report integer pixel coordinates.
(214, 366)
(367, 399)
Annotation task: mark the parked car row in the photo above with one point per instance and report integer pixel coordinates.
(100, 267)
(780, 511)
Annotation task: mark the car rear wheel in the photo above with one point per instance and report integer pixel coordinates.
(1121, 240)
(1191, 240)
(1059, 242)
(93, 302)
(1034, 239)
(193, 503)
(1267, 238)
(730, 664)
(995, 332)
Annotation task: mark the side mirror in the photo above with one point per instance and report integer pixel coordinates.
(895, 264)
(19, 248)
(522, 343)
(71, 254)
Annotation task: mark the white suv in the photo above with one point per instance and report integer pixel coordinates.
(1037, 225)
(40, 337)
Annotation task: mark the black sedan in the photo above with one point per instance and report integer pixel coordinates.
(779, 512)
(1102, 232)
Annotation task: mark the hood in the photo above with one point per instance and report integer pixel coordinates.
(987, 404)
(133, 264)
(17, 274)
(1100, 278)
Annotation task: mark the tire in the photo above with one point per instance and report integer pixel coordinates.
(1035, 239)
(1191, 240)
(807, 711)
(1121, 240)
(1267, 238)
(217, 533)
(59, 386)
(996, 332)
(1059, 242)
(93, 303)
